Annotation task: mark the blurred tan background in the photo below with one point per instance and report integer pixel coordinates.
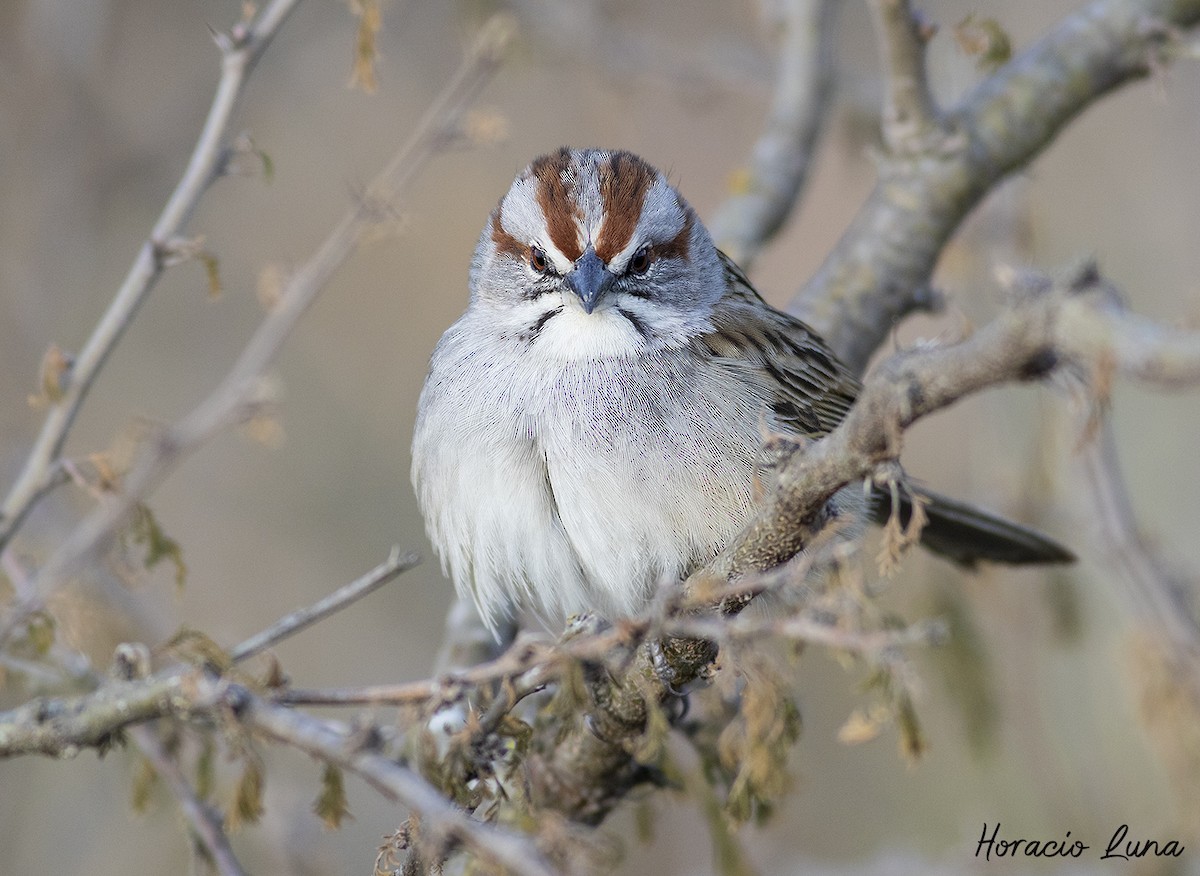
(99, 106)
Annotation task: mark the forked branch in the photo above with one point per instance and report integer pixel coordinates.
(881, 268)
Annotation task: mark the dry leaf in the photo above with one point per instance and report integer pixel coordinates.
(331, 805)
(860, 727)
(366, 50)
(985, 39)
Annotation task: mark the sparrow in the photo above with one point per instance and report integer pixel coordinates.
(592, 425)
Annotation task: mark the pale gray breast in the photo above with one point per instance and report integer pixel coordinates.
(582, 484)
(651, 461)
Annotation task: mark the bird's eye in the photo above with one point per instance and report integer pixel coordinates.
(640, 263)
(538, 260)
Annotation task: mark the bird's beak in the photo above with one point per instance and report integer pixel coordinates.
(589, 279)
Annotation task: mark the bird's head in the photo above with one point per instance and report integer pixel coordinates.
(598, 247)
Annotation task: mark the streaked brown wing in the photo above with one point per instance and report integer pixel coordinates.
(812, 391)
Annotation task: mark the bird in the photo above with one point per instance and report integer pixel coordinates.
(592, 425)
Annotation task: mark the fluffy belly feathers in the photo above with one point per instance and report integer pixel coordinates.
(584, 481)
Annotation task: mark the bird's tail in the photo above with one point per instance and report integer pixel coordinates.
(967, 535)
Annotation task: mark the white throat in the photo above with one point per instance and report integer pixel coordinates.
(573, 334)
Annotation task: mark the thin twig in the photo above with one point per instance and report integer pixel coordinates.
(241, 393)
(395, 565)
(205, 821)
(440, 818)
(239, 54)
(37, 672)
(1153, 594)
(801, 628)
(770, 186)
(527, 653)
(451, 685)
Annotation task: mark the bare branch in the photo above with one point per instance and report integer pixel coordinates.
(205, 821)
(586, 768)
(804, 629)
(336, 744)
(1051, 324)
(910, 118)
(517, 659)
(528, 654)
(62, 727)
(880, 270)
(769, 187)
(1153, 594)
(240, 52)
(1165, 356)
(241, 393)
(394, 566)
(1165, 645)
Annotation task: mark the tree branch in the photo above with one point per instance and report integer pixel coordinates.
(524, 654)
(880, 269)
(242, 392)
(1165, 645)
(62, 727)
(769, 187)
(910, 118)
(1153, 595)
(338, 744)
(1074, 326)
(205, 822)
(240, 51)
(395, 565)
